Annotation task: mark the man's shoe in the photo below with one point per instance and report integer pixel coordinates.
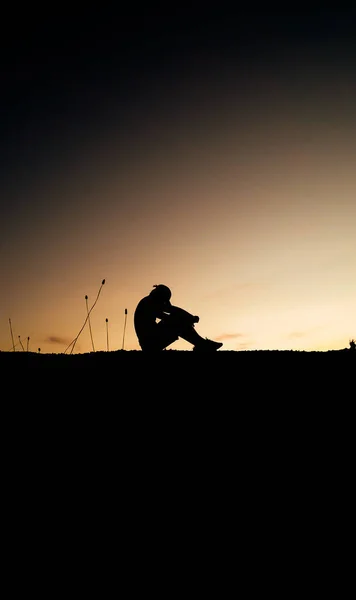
(207, 346)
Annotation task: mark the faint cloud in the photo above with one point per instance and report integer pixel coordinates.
(229, 336)
(245, 346)
(233, 336)
(57, 340)
(296, 335)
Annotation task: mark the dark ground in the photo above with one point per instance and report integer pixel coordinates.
(256, 445)
(172, 372)
(135, 358)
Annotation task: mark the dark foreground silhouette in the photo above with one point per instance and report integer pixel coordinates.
(224, 376)
(243, 364)
(226, 402)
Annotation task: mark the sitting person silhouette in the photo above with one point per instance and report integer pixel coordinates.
(173, 323)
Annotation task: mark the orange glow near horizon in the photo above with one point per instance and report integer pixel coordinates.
(236, 190)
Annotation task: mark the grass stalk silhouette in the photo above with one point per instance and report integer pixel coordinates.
(107, 334)
(73, 343)
(91, 335)
(28, 340)
(21, 344)
(12, 347)
(123, 336)
(12, 336)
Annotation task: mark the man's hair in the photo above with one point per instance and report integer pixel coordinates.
(162, 292)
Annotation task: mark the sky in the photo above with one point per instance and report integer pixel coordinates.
(212, 152)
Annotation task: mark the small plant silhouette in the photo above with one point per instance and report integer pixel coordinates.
(12, 336)
(353, 345)
(107, 334)
(73, 343)
(123, 337)
(88, 313)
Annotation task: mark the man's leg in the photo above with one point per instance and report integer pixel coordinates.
(165, 334)
(182, 325)
(179, 325)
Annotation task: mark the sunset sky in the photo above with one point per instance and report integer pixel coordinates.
(214, 153)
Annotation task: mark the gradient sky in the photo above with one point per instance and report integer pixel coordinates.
(214, 153)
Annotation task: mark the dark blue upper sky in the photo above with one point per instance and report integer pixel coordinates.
(60, 70)
(59, 55)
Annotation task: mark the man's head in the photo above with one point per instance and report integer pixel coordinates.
(161, 293)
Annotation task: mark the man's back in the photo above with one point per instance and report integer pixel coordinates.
(147, 311)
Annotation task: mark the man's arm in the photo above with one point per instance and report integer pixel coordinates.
(184, 314)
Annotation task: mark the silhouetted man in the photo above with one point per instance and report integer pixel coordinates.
(158, 323)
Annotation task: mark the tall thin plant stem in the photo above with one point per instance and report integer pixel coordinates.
(123, 337)
(91, 335)
(12, 347)
(12, 337)
(28, 340)
(21, 344)
(107, 334)
(73, 343)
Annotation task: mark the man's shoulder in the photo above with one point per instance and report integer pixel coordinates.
(145, 300)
